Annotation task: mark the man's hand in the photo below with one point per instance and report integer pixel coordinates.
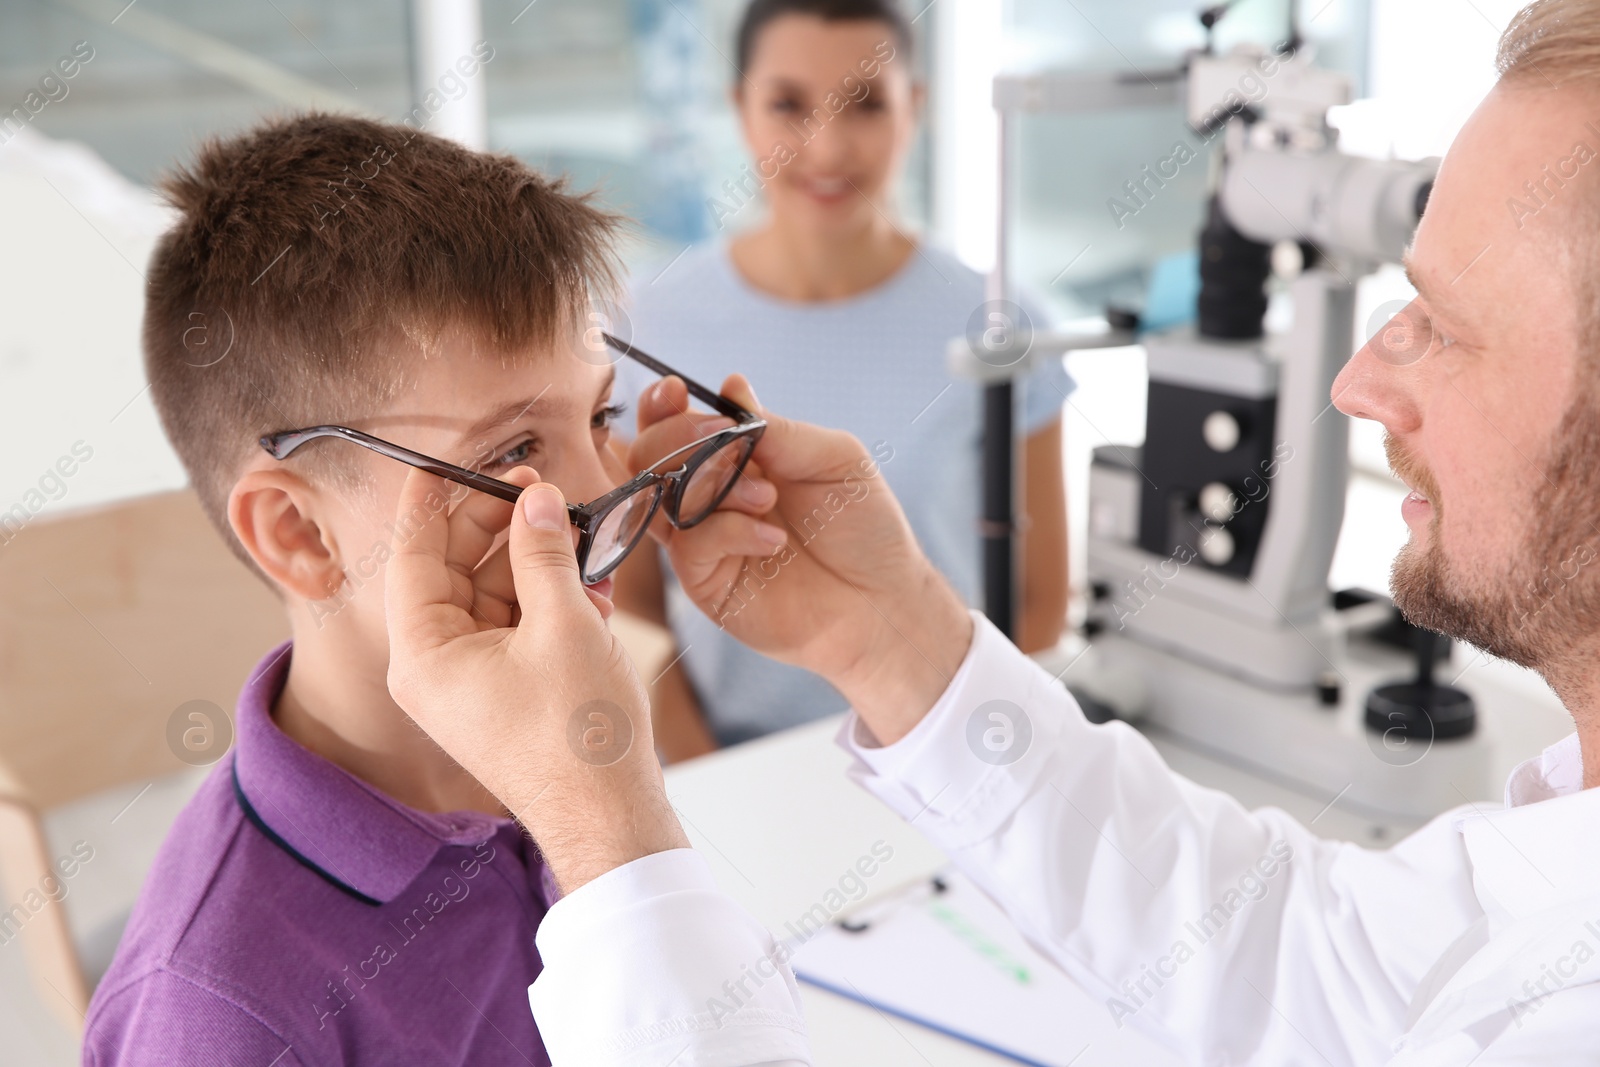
(811, 561)
(544, 709)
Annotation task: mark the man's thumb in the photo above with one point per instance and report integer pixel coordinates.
(543, 564)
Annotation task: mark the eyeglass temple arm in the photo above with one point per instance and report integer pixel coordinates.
(724, 406)
(281, 445)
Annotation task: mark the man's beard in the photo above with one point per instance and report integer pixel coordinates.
(1543, 605)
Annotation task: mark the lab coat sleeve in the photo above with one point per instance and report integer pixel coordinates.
(1232, 935)
(651, 964)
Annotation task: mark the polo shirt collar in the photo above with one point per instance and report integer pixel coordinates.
(354, 836)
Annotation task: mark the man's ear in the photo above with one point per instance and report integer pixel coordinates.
(272, 513)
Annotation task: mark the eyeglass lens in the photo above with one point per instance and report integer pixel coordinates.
(710, 481)
(618, 531)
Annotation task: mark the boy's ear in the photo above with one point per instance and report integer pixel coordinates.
(272, 513)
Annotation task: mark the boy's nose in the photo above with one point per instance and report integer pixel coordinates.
(597, 478)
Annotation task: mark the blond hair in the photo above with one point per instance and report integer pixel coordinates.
(1551, 43)
(1556, 41)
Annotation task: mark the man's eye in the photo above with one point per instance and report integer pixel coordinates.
(607, 416)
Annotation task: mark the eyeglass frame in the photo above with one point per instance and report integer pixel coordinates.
(586, 517)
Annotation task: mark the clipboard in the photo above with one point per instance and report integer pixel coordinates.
(941, 954)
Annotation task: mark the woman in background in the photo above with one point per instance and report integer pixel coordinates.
(842, 319)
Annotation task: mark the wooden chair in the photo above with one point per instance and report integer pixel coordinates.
(109, 621)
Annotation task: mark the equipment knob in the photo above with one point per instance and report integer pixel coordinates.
(1217, 502)
(1216, 546)
(1221, 431)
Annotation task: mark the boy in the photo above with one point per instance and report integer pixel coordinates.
(339, 890)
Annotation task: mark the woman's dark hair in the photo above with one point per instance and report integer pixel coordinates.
(761, 12)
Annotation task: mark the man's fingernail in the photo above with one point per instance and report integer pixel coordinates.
(752, 491)
(544, 510)
(772, 535)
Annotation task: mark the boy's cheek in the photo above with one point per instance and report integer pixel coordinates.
(613, 462)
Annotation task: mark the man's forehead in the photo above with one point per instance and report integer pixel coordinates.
(1500, 208)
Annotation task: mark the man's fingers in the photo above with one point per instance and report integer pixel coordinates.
(662, 439)
(724, 535)
(543, 564)
(736, 387)
(420, 598)
(798, 451)
(788, 451)
(493, 587)
(664, 399)
(751, 494)
(478, 520)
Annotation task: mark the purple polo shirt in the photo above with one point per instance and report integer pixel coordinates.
(296, 915)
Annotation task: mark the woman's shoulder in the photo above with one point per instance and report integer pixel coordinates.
(689, 272)
(960, 286)
(937, 256)
(935, 274)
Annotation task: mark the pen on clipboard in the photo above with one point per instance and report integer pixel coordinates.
(859, 922)
(930, 892)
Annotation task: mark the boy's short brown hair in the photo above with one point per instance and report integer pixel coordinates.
(315, 257)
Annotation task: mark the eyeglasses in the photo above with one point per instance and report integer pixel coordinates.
(699, 477)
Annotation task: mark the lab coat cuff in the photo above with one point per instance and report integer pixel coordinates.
(652, 962)
(979, 752)
(676, 870)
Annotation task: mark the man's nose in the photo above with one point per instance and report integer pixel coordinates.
(1380, 381)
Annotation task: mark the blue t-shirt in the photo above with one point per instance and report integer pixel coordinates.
(872, 364)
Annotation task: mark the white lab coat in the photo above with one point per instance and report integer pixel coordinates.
(1235, 936)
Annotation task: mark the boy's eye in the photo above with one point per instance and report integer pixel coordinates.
(515, 455)
(607, 416)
